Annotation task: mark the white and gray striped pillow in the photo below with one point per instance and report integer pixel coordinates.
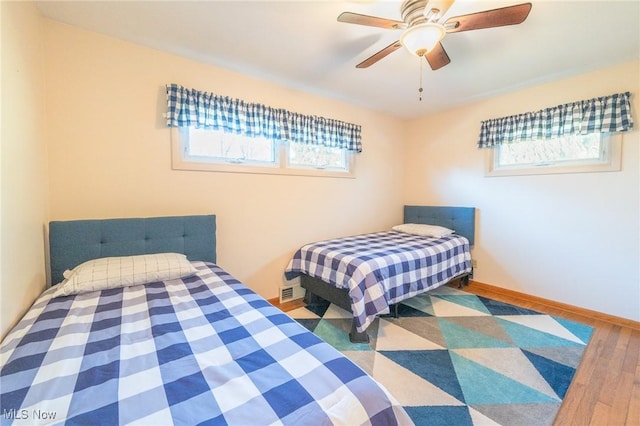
(113, 272)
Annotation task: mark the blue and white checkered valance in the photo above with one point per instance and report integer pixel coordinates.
(202, 110)
(606, 114)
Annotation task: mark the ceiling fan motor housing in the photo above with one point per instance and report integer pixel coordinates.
(412, 12)
(415, 12)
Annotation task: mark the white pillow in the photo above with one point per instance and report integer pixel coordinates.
(112, 272)
(423, 230)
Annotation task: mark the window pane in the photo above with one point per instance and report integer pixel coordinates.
(221, 146)
(569, 149)
(208, 150)
(321, 157)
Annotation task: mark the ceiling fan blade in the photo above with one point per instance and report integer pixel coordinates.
(370, 21)
(381, 54)
(510, 15)
(437, 57)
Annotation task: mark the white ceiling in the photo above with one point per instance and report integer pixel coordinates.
(300, 44)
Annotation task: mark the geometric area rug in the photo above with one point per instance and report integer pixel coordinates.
(455, 358)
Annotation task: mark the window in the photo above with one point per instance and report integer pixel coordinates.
(216, 146)
(303, 155)
(216, 150)
(219, 133)
(539, 143)
(596, 152)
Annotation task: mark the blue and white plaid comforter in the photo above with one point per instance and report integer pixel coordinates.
(203, 350)
(382, 268)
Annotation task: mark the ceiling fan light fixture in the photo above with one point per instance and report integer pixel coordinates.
(422, 38)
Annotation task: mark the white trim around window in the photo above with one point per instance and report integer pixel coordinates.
(181, 161)
(609, 161)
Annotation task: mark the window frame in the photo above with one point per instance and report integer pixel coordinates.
(611, 162)
(179, 161)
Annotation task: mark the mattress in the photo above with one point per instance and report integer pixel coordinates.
(196, 350)
(383, 268)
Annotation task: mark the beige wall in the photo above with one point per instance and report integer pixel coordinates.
(24, 161)
(573, 238)
(110, 156)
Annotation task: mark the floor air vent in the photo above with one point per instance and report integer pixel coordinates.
(290, 293)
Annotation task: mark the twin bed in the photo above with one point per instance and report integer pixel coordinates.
(145, 328)
(369, 274)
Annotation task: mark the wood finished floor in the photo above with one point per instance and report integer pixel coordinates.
(605, 390)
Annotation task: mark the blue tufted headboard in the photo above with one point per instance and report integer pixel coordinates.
(74, 242)
(460, 219)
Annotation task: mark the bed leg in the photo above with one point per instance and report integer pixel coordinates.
(394, 310)
(464, 281)
(357, 337)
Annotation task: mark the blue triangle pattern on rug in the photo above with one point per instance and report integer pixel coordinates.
(501, 308)
(467, 382)
(309, 324)
(440, 415)
(338, 338)
(527, 337)
(482, 385)
(582, 331)
(558, 375)
(435, 366)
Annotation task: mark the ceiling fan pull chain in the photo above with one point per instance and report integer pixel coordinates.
(420, 89)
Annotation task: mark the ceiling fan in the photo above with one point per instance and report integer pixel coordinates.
(423, 30)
